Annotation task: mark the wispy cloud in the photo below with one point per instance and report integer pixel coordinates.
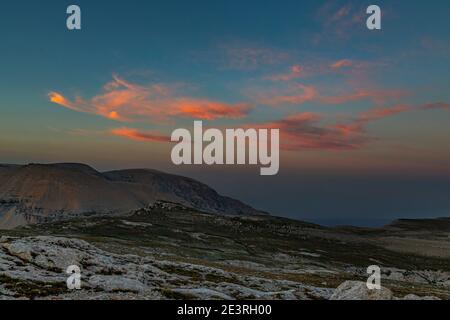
(436, 106)
(294, 94)
(339, 20)
(247, 56)
(121, 100)
(341, 64)
(297, 94)
(134, 134)
(294, 73)
(380, 113)
(379, 96)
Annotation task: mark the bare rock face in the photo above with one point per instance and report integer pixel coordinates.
(39, 193)
(357, 290)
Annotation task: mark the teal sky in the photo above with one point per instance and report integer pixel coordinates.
(350, 103)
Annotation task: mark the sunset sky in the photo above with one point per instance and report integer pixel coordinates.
(364, 116)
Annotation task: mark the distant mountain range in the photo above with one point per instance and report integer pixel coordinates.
(38, 193)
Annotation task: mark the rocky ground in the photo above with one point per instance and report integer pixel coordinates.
(173, 252)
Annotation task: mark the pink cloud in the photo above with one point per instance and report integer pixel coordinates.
(380, 113)
(294, 94)
(342, 64)
(379, 96)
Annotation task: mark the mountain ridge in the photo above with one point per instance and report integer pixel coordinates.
(36, 193)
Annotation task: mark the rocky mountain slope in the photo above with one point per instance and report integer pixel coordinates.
(38, 193)
(168, 251)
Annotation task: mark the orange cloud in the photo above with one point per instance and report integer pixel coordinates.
(134, 134)
(58, 98)
(125, 101)
(210, 110)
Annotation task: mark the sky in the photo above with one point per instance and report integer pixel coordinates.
(363, 115)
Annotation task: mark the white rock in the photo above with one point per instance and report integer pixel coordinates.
(357, 290)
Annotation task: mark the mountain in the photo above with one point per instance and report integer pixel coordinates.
(38, 193)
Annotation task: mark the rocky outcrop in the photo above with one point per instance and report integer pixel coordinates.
(34, 268)
(357, 290)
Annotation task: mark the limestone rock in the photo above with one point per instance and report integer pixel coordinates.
(357, 290)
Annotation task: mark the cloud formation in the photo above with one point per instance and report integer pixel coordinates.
(303, 131)
(307, 131)
(121, 100)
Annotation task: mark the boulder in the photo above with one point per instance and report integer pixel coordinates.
(357, 290)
